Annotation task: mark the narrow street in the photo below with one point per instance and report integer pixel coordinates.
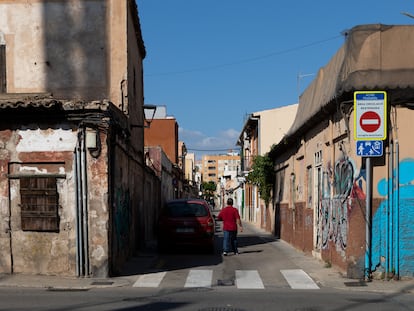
(260, 265)
(267, 275)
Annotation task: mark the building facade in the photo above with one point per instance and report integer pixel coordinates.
(260, 132)
(222, 170)
(350, 207)
(72, 199)
(156, 135)
(214, 166)
(163, 133)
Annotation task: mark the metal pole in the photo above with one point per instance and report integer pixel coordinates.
(388, 226)
(368, 221)
(397, 210)
(391, 214)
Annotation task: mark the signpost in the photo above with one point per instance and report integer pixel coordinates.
(370, 129)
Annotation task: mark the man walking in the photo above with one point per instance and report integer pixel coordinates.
(231, 220)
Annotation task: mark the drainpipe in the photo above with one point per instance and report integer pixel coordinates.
(79, 238)
(256, 202)
(397, 209)
(82, 236)
(243, 202)
(84, 203)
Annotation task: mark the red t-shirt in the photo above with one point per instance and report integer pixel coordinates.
(229, 215)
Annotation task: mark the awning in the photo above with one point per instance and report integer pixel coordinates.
(373, 57)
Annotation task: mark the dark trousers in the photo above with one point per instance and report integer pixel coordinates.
(230, 241)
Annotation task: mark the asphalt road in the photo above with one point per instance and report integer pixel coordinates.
(267, 275)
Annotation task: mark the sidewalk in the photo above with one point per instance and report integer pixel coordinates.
(331, 277)
(323, 276)
(144, 261)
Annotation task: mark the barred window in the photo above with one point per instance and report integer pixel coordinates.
(39, 204)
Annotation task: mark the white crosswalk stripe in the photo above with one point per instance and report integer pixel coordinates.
(199, 278)
(298, 279)
(248, 279)
(244, 279)
(150, 279)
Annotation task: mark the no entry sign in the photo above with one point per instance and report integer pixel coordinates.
(370, 121)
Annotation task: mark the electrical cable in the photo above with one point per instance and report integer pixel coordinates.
(213, 150)
(243, 61)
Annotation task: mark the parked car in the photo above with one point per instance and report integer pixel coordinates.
(186, 223)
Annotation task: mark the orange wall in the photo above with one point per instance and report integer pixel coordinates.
(164, 133)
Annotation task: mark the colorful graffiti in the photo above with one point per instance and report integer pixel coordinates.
(392, 224)
(337, 189)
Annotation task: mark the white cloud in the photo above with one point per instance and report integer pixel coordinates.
(201, 143)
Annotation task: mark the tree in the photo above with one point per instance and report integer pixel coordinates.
(208, 189)
(263, 176)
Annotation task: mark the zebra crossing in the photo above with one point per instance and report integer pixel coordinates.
(243, 279)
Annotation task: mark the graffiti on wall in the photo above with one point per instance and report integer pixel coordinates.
(339, 185)
(122, 217)
(392, 224)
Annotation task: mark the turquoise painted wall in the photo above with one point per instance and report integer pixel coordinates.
(393, 224)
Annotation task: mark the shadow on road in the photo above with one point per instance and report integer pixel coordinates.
(178, 258)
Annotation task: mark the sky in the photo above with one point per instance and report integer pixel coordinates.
(211, 63)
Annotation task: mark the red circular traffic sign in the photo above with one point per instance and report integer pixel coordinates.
(370, 121)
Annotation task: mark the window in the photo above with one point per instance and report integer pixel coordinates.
(39, 204)
(318, 158)
(318, 179)
(309, 186)
(184, 209)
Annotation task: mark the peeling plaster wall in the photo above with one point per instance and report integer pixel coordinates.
(52, 252)
(38, 252)
(46, 140)
(65, 40)
(78, 51)
(99, 210)
(5, 252)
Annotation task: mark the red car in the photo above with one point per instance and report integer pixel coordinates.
(188, 223)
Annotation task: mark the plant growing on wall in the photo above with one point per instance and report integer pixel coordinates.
(262, 175)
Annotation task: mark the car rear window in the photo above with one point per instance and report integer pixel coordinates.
(185, 209)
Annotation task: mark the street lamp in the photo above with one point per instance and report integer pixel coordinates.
(149, 114)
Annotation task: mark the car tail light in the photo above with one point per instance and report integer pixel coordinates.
(210, 224)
